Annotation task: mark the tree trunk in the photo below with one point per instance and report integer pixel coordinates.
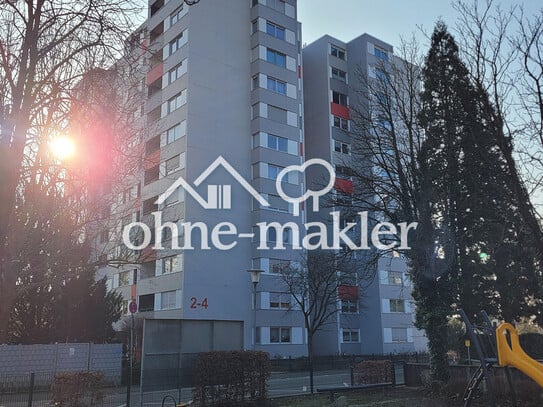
(310, 361)
(436, 330)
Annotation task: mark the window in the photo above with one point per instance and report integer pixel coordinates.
(340, 147)
(380, 53)
(275, 30)
(277, 86)
(170, 264)
(131, 193)
(176, 72)
(176, 15)
(276, 57)
(171, 200)
(381, 75)
(277, 143)
(146, 302)
(278, 265)
(395, 278)
(280, 300)
(172, 164)
(343, 171)
(124, 278)
(254, 26)
(337, 52)
(341, 123)
(124, 307)
(399, 334)
(339, 74)
(150, 175)
(174, 133)
(277, 203)
(176, 102)
(339, 98)
(152, 145)
(149, 205)
(272, 235)
(176, 43)
(273, 171)
(168, 300)
(280, 335)
(397, 305)
(277, 114)
(349, 306)
(351, 335)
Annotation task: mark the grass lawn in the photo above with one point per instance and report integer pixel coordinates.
(528, 395)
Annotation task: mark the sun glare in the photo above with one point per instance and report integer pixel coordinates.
(62, 147)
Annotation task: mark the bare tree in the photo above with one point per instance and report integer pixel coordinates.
(46, 47)
(318, 285)
(504, 51)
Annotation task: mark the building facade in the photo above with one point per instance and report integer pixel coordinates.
(222, 79)
(222, 98)
(336, 78)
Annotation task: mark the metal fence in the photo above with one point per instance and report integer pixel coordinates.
(34, 389)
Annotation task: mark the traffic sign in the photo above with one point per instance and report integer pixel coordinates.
(133, 307)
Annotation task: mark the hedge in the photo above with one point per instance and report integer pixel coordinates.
(373, 371)
(230, 378)
(78, 389)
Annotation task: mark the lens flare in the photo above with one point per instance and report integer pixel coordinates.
(62, 147)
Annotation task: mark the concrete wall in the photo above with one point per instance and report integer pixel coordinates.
(20, 360)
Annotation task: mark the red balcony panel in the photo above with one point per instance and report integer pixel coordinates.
(143, 46)
(151, 160)
(340, 110)
(344, 185)
(301, 149)
(299, 71)
(133, 291)
(148, 254)
(155, 73)
(348, 292)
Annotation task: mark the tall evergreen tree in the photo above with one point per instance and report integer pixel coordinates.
(484, 256)
(59, 299)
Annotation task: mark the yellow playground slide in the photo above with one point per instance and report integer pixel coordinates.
(513, 355)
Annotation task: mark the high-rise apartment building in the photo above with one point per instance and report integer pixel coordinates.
(222, 80)
(336, 78)
(222, 101)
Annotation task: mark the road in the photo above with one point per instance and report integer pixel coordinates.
(280, 384)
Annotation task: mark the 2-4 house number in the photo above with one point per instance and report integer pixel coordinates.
(194, 303)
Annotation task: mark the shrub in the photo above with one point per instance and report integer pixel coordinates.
(532, 343)
(228, 378)
(78, 389)
(373, 371)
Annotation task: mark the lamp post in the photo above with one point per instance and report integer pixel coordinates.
(255, 278)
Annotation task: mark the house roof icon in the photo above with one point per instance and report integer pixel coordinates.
(219, 196)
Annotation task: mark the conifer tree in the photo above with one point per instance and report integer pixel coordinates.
(479, 252)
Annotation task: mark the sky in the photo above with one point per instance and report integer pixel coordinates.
(384, 19)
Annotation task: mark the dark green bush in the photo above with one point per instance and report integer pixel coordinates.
(230, 378)
(78, 389)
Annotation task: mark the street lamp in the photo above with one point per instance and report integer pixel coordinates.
(255, 278)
